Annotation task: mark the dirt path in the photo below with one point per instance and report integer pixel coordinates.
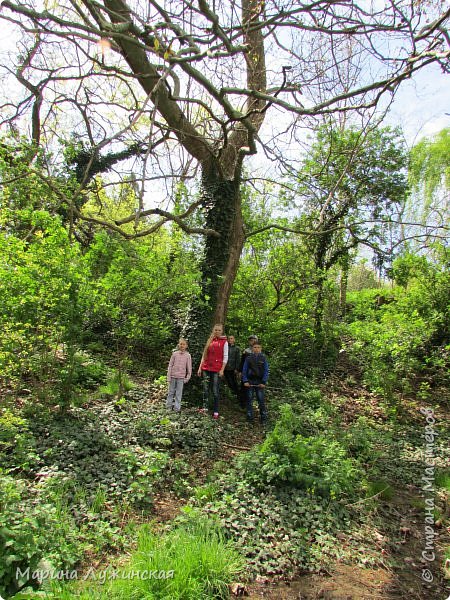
(235, 440)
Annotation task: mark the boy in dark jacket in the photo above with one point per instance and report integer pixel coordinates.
(255, 374)
(243, 390)
(232, 366)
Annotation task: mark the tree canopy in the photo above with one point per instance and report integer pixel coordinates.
(152, 94)
(192, 83)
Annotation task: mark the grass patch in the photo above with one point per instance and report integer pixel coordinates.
(192, 561)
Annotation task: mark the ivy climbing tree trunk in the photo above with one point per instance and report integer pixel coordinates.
(221, 170)
(222, 254)
(220, 262)
(321, 245)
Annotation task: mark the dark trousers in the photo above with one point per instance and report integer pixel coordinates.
(230, 378)
(242, 395)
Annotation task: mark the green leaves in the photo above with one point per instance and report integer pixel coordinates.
(37, 280)
(29, 533)
(137, 291)
(278, 529)
(90, 470)
(402, 338)
(429, 166)
(317, 462)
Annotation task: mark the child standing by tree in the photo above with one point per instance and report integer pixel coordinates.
(178, 373)
(232, 366)
(255, 374)
(212, 366)
(243, 391)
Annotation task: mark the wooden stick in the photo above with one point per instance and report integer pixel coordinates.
(236, 447)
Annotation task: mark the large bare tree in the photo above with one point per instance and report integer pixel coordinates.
(175, 89)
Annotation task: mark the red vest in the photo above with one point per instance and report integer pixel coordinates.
(214, 355)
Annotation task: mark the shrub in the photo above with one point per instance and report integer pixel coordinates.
(88, 373)
(361, 439)
(402, 342)
(16, 442)
(40, 278)
(31, 532)
(314, 462)
(118, 384)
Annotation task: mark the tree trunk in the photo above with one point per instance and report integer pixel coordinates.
(220, 262)
(318, 309)
(319, 263)
(343, 289)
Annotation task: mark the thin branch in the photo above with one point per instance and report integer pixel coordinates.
(320, 232)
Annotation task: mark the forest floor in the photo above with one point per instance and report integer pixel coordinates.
(401, 543)
(406, 551)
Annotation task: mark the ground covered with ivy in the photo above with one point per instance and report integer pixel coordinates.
(334, 486)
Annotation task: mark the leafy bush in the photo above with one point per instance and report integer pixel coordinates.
(146, 469)
(40, 278)
(30, 532)
(88, 373)
(288, 457)
(389, 351)
(361, 439)
(89, 458)
(118, 384)
(401, 343)
(137, 291)
(17, 446)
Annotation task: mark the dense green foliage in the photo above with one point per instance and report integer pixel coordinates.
(276, 298)
(350, 177)
(57, 303)
(33, 528)
(40, 280)
(289, 502)
(429, 165)
(139, 294)
(80, 474)
(87, 325)
(352, 182)
(402, 341)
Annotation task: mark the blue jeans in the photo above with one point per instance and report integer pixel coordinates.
(261, 404)
(211, 383)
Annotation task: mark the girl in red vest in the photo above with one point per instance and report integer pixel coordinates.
(212, 365)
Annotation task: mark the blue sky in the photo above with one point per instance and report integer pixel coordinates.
(422, 105)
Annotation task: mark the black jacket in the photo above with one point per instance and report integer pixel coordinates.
(234, 358)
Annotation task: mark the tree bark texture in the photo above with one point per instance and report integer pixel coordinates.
(220, 262)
